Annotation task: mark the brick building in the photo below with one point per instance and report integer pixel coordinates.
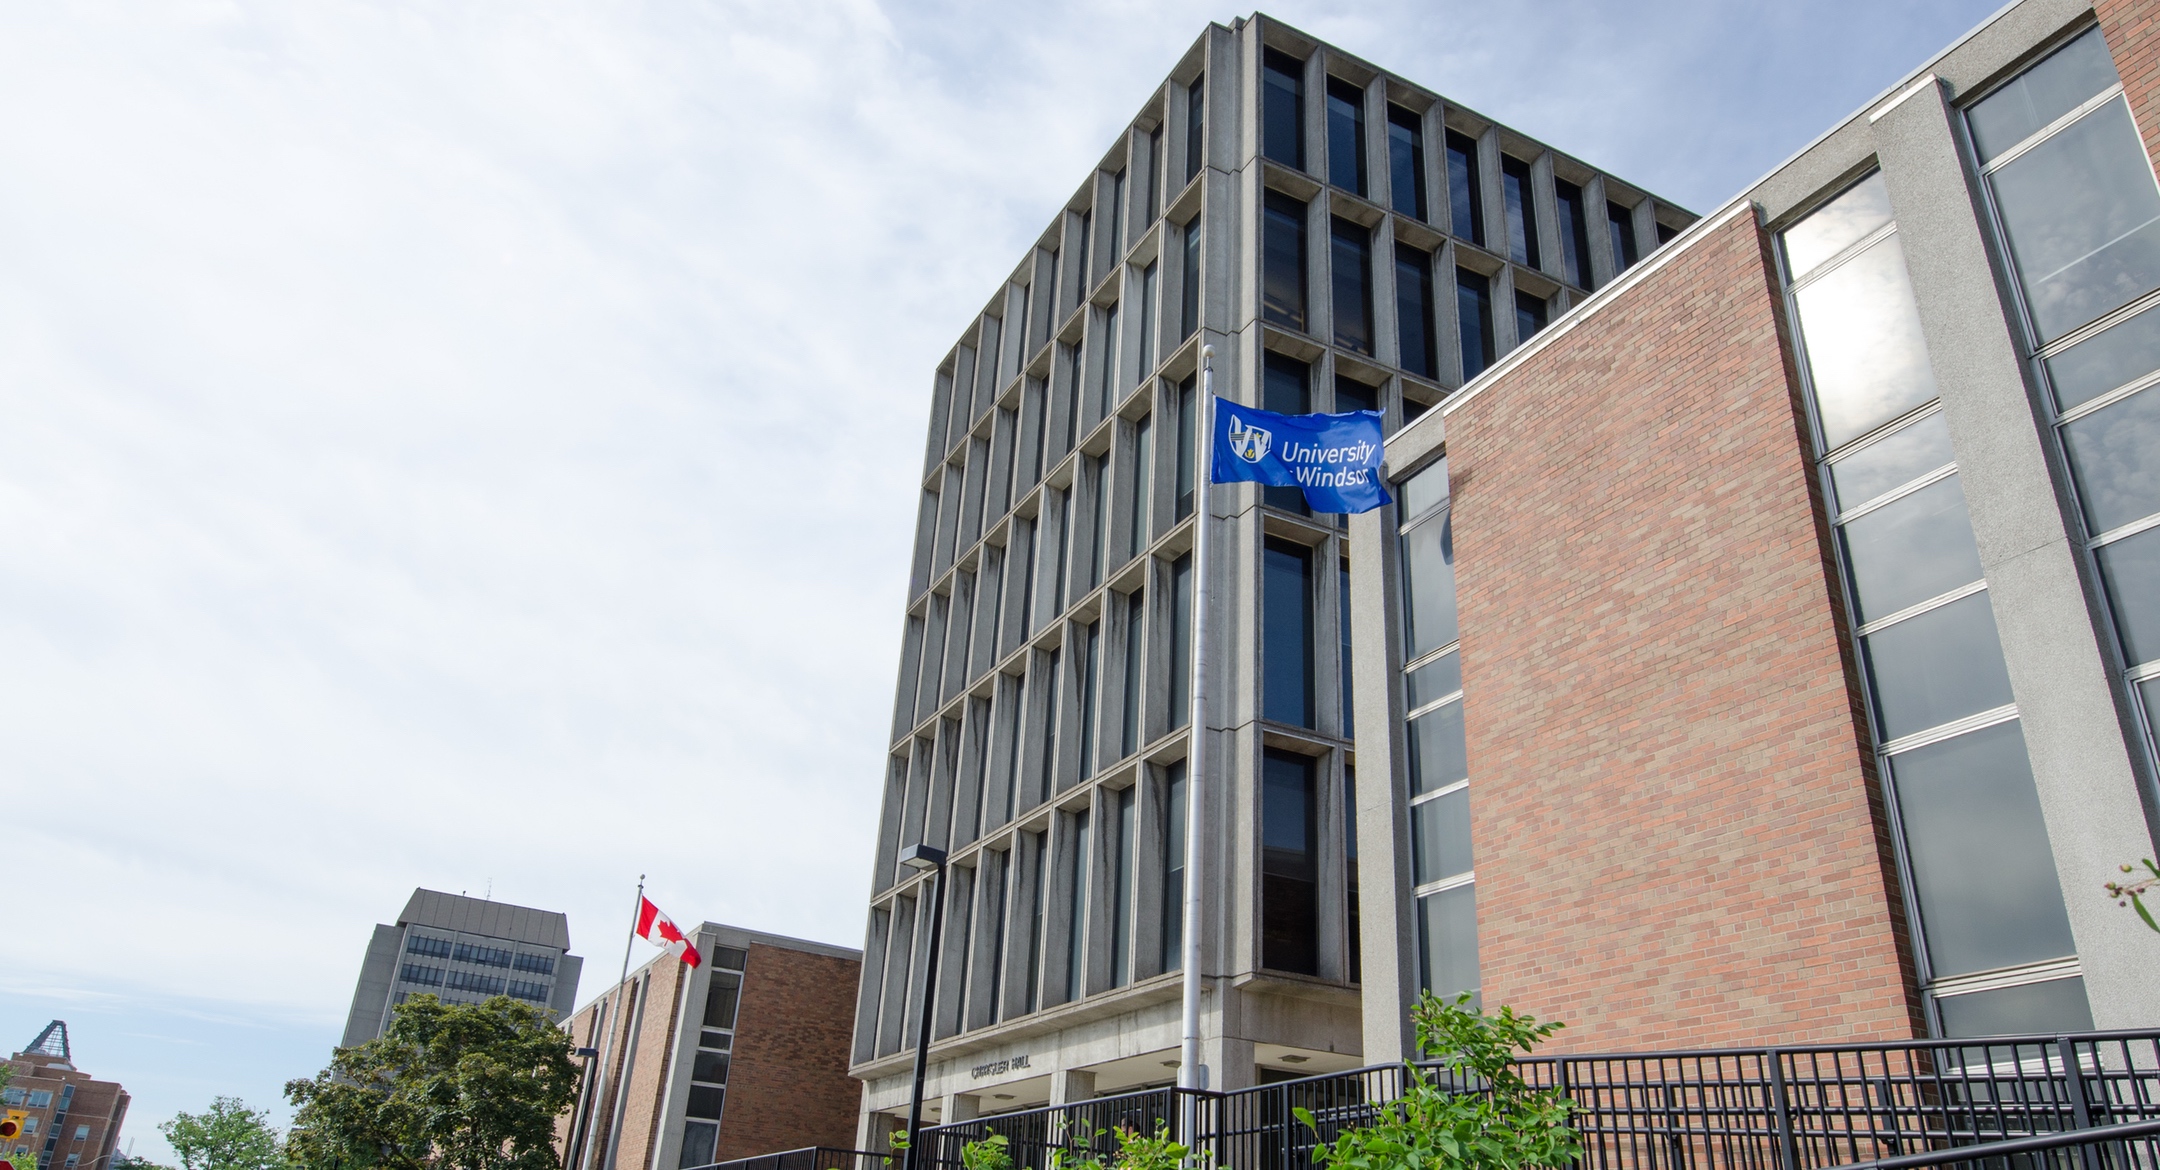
(744, 1054)
(72, 1119)
(1793, 680)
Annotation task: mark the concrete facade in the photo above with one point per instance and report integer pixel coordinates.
(72, 1119)
(463, 950)
(744, 1054)
(1040, 727)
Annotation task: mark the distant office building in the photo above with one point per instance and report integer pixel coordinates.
(463, 950)
(745, 1054)
(73, 1120)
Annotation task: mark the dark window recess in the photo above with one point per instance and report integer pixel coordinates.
(1135, 669)
(1181, 602)
(710, 1067)
(1357, 969)
(1282, 276)
(730, 958)
(1414, 311)
(1286, 388)
(1189, 283)
(1282, 108)
(535, 992)
(422, 974)
(1521, 211)
(1473, 308)
(1346, 135)
(1406, 161)
(720, 1000)
(421, 944)
(1289, 865)
(1287, 634)
(1466, 201)
(1090, 672)
(1351, 396)
(1173, 885)
(1530, 315)
(536, 964)
(1574, 233)
(1620, 225)
(485, 956)
(1350, 266)
(1187, 404)
(1195, 126)
(704, 1102)
(1665, 233)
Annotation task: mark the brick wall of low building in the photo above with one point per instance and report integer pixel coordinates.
(97, 1109)
(1675, 821)
(2132, 29)
(788, 1085)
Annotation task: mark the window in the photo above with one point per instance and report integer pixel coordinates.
(1466, 200)
(1039, 857)
(1282, 108)
(422, 974)
(536, 964)
(1195, 126)
(1109, 353)
(1574, 233)
(1351, 268)
(535, 992)
(1521, 212)
(1473, 310)
(1620, 228)
(1154, 173)
(1140, 517)
(1076, 880)
(1413, 311)
(1287, 634)
(1970, 842)
(1342, 630)
(1121, 886)
(1346, 135)
(420, 944)
(1289, 865)
(1090, 671)
(1064, 501)
(1147, 324)
(1530, 315)
(1406, 161)
(1189, 282)
(1350, 868)
(1117, 217)
(1181, 603)
(699, 1139)
(1099, 529)
(1187, 406)
(1173, 883)
(1285, 388)
(1282, 248)
(999, 865)
(1130, 733)
(473, 981)
(1083, 259)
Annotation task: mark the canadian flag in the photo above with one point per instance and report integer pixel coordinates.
(661, 931)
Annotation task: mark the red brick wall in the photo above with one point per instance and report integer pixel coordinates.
(2132, 29)
(1674, 818)
(788, 1085)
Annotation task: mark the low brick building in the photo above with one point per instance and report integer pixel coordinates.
(744, 1054)
(72, 1119)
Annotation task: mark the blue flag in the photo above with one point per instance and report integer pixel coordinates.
(1335, 458)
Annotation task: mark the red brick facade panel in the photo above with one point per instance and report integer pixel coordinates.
(2132, 29)
(1675, 827)
(788, 1085)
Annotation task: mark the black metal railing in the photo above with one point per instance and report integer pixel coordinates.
(2131, 1145)
(1786, 1108)
(810, 1158)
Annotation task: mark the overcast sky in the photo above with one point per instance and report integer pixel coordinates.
(474, 445)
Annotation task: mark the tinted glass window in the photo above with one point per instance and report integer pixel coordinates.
(1620, 233)
(1429, 585)
(1473, 309)
(1530, 313)
(1351, 267)
(1837, 225)
(2115, 453)
(1435, 680)
(1516, 202)
(1423, 492)
(2116, 357)
(1437, 755)
(2041, 94)
(1944, 664)
(2083, 221)
(1574, 233)
(1282, 279)
(1285, 388)
(1466, 201)
(1447, 941)
(1414, 311)
(1894, 460)
(1289, 865)
(1282, 113)
(1346, 135)
(1863, 344)
(1440, 837)
(2130, 566)
(1288, 666)
(1406, 161)
(1905, 552)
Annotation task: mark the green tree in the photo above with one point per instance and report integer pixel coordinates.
(229, 1136)
(1487, 1118)
(130, 1162)
(449, 1086)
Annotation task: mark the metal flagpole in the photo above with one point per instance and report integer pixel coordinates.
(607, 1050)
(1191, 1073)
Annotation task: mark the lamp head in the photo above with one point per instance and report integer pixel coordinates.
(922, 856)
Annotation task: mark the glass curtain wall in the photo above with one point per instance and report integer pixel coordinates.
(1289, 864)
(1282, 108)
(1346, 135)
(1996, 953)
(1438, 770)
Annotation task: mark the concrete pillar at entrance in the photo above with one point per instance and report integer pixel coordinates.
(1068, 1085)
(959, 1107)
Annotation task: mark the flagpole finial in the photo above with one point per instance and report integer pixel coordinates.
(1207, 354)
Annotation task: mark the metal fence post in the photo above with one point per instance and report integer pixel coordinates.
(1788, 1151)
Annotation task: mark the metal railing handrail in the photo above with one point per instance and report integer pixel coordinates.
(2024, 1145)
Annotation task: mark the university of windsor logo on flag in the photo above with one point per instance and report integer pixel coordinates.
(1333, 458)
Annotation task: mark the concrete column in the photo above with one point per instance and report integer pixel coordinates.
(1447, 319)
(1544, 210)
(958, 1107)
(2077, 734)
(1599, 231)
(1503, 313)
(1439, 212)
(1387, 346)
(1496, 240)
(1068, 1085)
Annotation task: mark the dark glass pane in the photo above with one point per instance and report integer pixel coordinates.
(2041, 94)
(1438, 756)
(704, 1102)
(1406, 162)
(1447, 941)
(1440, 837)
(1473, 307)
(1351, 396)
(1282, 108)
(1195, 126)
(1285, 388)
(1979, 851)
(730, 958)
(1837, 225)
(1429, 585)
(1351, 269)
(1187, 406)
(1944, 664)
(1414, 311)
(710, 1067)
(2116, 357)
(697, 1144)
(1282, 278)
(1620, 232)
(1901, 554)
(1466, 201)
(2115, 454)
(2130, 566)
(2052, 1008)
(1181, 602)
(1521, 212)
(1346, 135)
(1665, 233)
(1344, 670)
(1574, 233)
(1894, 460)
(2083, 221)
(1287, 638)
(1173, 886)
(1434, 680)
(718, 1040)
(1135, 668)
(1189, 290)
(1864, 348)
(1289, 865)
(1529, 316)
(1077, 873)
(720, 1000)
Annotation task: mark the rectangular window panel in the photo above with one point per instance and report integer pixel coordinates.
(1429, 585)
(2115, 357)
(1117, 217)
(1346, 135)
(1053, 723)
(710, 1067)
(1187, 408)
(1905, 552)
(1090, 669)
(1473, 308)
(1181, 615)
(2115, 458)
(1433, 681)
(1154, 173)
(1110, 354)
(705, 1102)
(1868, 360)
(1440, 834)
(697, 1143)
(1282, 255)
(1140, 520)
(1135, 669)
(1574, 233)
(1521, 211)
(1099, 526)
(998, 867)
(1195, 126)
(1981, 863)
(1282, 108)
(1438, 756)
(720, 998)
(1447, 941)
(1342, 656)
(1466, 200)
(2052, 1007)
(1350, 874)
(1406, 161)
(1037, 920)
(1076, 880)
(1287, 623)
(2129, 567)
(1351, 396)
(1414, 311)
(1285, 388)
(1351, 268)
(1147, 324)
(1837, 225)
(2041, 94)
(1530, 316)
(1942, 665)
(1891, 461)
(1121, 859)
(1620, 233)
(1423, 492)
(1189, 283)
(1289, 865)
(2083, 221)
(1173, 885)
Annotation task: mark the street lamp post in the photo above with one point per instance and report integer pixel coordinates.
(931, 858)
